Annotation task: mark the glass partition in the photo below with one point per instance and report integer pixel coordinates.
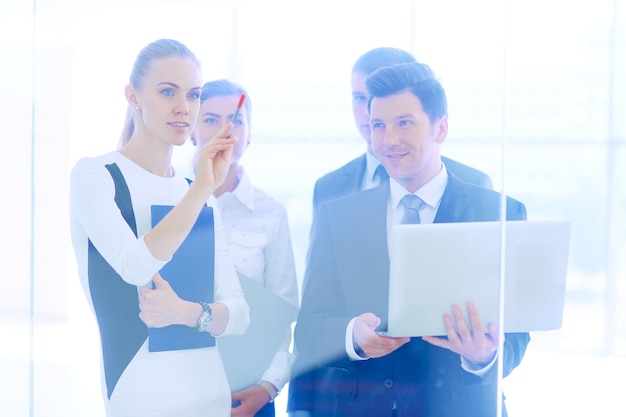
(16, 175)
(536, 100)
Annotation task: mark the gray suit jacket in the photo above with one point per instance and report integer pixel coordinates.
(347, 275)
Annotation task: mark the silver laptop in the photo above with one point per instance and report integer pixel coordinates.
(436, 265)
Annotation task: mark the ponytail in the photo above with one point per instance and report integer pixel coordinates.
(128, 129)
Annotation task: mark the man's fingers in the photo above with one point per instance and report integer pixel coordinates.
(475, 321)
(370, 319)
(464, 332)
(494, 332)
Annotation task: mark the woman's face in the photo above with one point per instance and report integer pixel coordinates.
(215, 112)
(169, 99)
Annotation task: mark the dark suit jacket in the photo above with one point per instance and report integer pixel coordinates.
(342, 182)
(347, 275)
(348, 179)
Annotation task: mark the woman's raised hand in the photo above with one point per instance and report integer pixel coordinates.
(213, 159)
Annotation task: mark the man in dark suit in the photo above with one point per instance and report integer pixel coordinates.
(355, 176)
(345, 300)
(359, 174)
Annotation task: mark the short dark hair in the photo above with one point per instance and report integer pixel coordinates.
(415, 77)
(220, 88)
(375, 58)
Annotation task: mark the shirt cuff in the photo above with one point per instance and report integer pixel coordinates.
(478, 372)
(352, 355)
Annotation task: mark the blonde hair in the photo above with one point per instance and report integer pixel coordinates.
(159, 49)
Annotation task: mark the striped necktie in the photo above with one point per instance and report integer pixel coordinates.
(412, 204)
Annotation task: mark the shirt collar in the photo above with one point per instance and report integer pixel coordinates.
(244, 192)
(371, 163)
(430, 193)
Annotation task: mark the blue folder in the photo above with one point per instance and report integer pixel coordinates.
(190, 273)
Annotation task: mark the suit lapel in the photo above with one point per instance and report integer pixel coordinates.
(454, 202)
(377, 212)
(378, 251)
(352, 178)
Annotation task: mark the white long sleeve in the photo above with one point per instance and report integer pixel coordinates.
(188, 382)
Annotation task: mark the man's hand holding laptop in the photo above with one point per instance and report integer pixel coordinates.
(468, 340)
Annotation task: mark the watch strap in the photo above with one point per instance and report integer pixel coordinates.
(206, 318)
(269, 388)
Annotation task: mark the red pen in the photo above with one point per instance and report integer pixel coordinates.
(241, 99)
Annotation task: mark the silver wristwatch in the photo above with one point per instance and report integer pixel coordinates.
(206, 318)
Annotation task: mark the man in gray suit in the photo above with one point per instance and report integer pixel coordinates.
(358, 175)
(345, 299)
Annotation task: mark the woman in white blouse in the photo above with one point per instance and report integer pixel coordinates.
(119, 254)
(257, 232)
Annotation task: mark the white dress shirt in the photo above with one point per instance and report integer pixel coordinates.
(257, 231)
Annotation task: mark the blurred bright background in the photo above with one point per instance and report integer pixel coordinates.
(536, 93)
